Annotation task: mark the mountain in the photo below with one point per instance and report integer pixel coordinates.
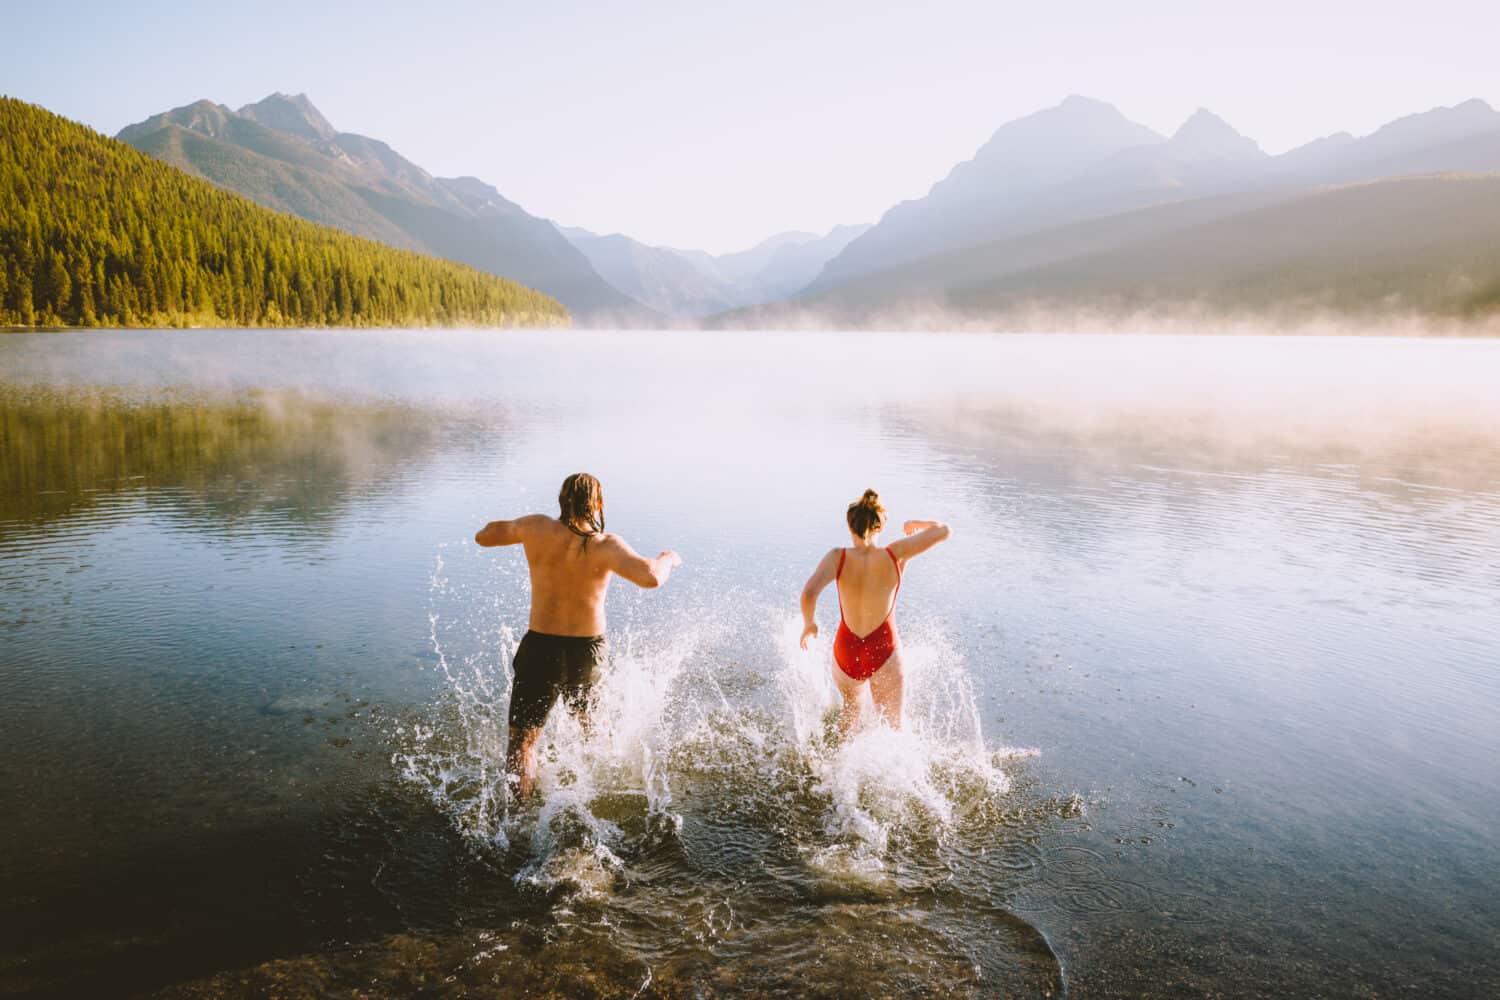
(283, 153)
(670, 282)
(293, 114)
(980, 231)
(794, 264)
(690, 284)
(1465, 137)
(1387, 249)
(980, 196)
(1083, 160)
(93, 232)
(1395, 249)
(743, 265)
(1207, 138)
(1205, 156)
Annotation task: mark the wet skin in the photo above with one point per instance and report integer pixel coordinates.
(570, 575)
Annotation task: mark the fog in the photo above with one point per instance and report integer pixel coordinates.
(1399, 402)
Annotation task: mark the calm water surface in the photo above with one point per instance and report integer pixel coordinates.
(1203, 693)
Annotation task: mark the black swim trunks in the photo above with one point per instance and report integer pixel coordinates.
(550, 665)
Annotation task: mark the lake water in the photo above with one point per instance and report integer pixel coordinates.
(1204, 693)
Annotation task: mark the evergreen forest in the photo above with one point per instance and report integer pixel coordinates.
(95, 233)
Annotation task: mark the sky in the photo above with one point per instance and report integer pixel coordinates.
(713, 125)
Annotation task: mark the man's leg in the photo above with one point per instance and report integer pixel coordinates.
(585, 662)
(580, 708)
(520, 760)
(538, 675)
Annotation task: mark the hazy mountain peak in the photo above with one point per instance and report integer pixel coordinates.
(1337, 140)
(775, 241)
(204, 117)
(1078, 103)
(1065, 136)
(1206, 132)
(1073, 112)
(1440, 124)
(292, 113)
(1021, 159)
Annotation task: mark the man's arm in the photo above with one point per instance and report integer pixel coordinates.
(503, 532)
(643, 572)
(821, 577)
(920, 536)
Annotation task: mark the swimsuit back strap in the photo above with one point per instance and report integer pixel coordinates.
(897, 592)
(837, 592)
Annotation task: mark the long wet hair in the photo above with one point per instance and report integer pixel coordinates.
(581, 502)
(867, 515)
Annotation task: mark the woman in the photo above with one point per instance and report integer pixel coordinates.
(867, 579)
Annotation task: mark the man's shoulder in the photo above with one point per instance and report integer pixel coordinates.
(611, 547)
(535, 524)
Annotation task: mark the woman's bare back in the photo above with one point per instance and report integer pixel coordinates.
(867, 588)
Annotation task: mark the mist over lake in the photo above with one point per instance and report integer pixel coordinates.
(1202, 693)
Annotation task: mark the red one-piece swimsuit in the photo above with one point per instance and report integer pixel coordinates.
(860, 656)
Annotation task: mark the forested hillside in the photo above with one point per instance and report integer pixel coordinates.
(95, 233)
(282, 154)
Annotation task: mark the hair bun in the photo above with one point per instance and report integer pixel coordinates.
(867, 514)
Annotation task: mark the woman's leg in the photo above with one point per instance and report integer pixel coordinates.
(888, 690)
(849, 688)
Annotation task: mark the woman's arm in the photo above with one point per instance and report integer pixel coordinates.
(920, 536)
(821, 577)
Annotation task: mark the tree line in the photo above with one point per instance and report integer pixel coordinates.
(95, 233)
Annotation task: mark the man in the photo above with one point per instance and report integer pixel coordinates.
(571, 560)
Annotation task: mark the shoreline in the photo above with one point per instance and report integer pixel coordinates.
(1413, 330)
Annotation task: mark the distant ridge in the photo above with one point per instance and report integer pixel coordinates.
(284, 154)
(1374, 256)
(1073, 212)
(94, 233)
(691, 284)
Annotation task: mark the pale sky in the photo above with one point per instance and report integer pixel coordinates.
(714, 124)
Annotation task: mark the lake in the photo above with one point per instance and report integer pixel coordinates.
(1203, 694)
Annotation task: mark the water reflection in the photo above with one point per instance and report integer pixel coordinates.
(216, 463)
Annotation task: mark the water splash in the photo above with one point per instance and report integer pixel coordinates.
(725, 721)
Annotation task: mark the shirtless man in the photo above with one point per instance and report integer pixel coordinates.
(571, 561)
